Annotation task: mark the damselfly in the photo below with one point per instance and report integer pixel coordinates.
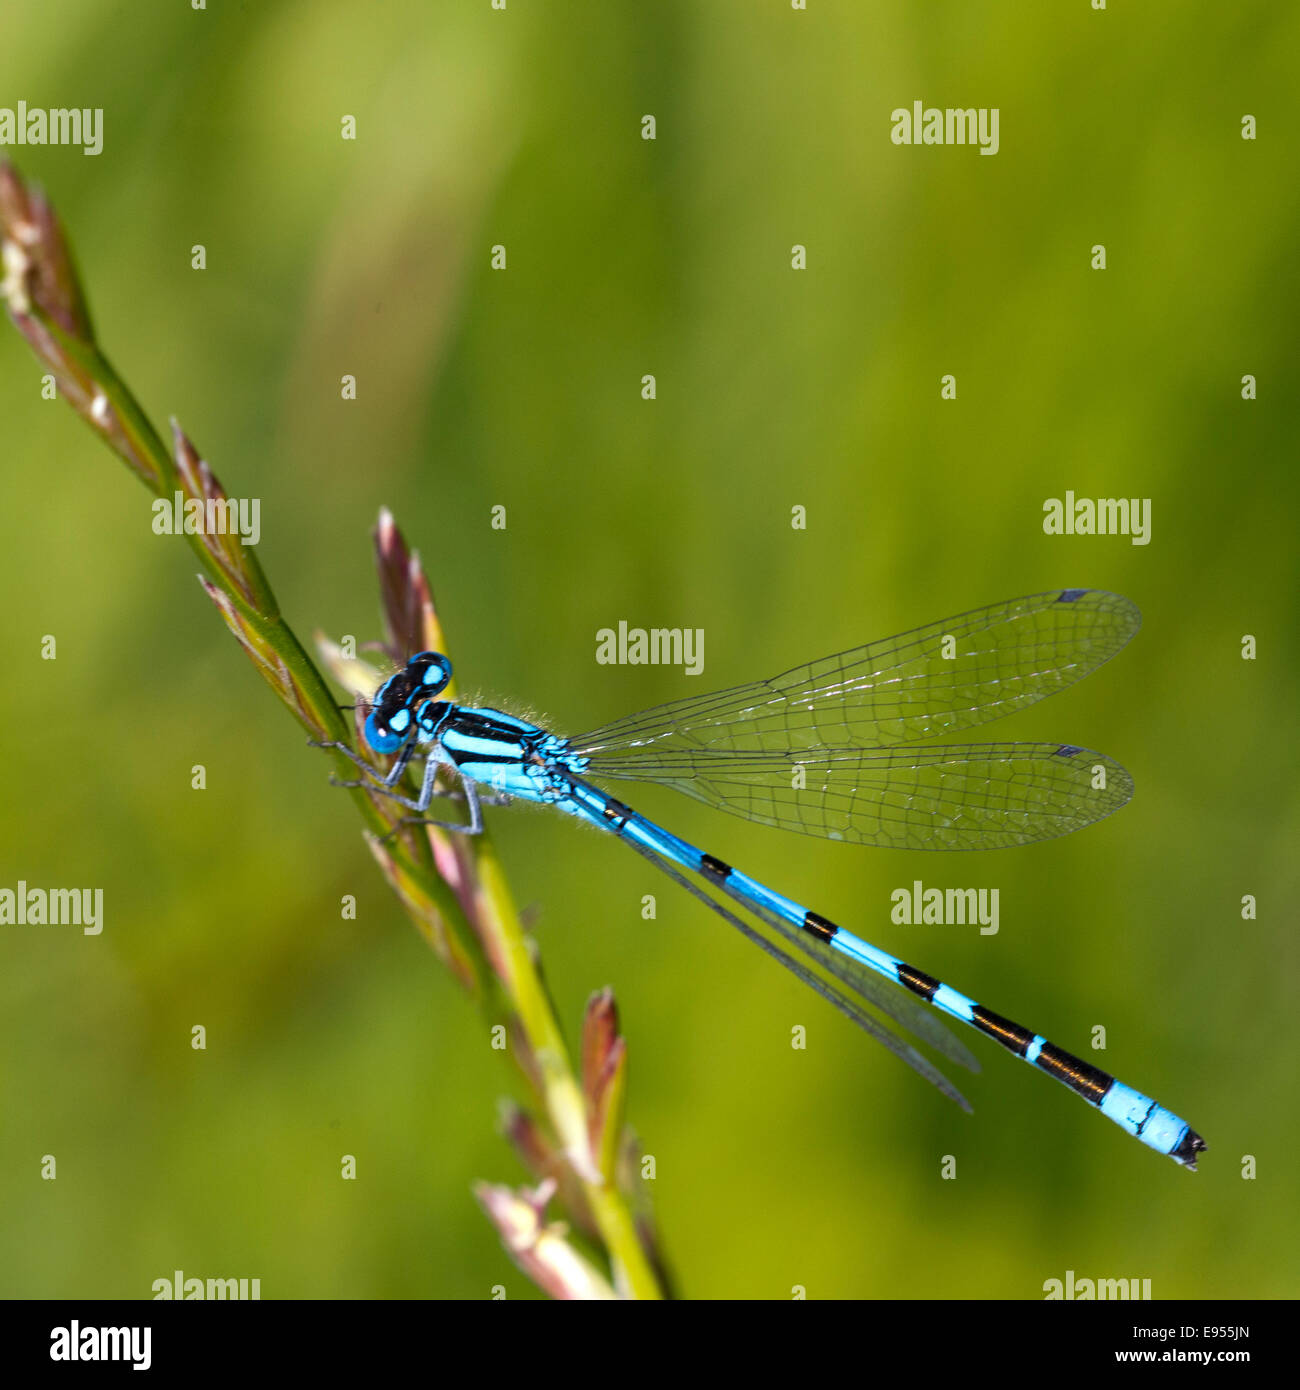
(812, 750)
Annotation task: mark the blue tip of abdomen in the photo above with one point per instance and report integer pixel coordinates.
(1156, 1127)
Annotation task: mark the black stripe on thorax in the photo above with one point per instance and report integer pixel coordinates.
(432, 714)
(481, 726)
(1090, 1082)
(469, 755)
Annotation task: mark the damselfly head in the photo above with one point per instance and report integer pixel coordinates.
(398, 700)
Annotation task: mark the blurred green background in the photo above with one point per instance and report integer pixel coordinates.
(521, 389)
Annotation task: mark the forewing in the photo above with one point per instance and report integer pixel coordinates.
(950, 675)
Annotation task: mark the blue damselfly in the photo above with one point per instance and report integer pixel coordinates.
(815, 749)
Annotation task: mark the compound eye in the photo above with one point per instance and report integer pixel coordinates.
(380, 738)
(436, 673)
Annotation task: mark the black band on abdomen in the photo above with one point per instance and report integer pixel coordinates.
(1011, 1035)
(917, 980)
(1090, 1082)
(820, 927)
